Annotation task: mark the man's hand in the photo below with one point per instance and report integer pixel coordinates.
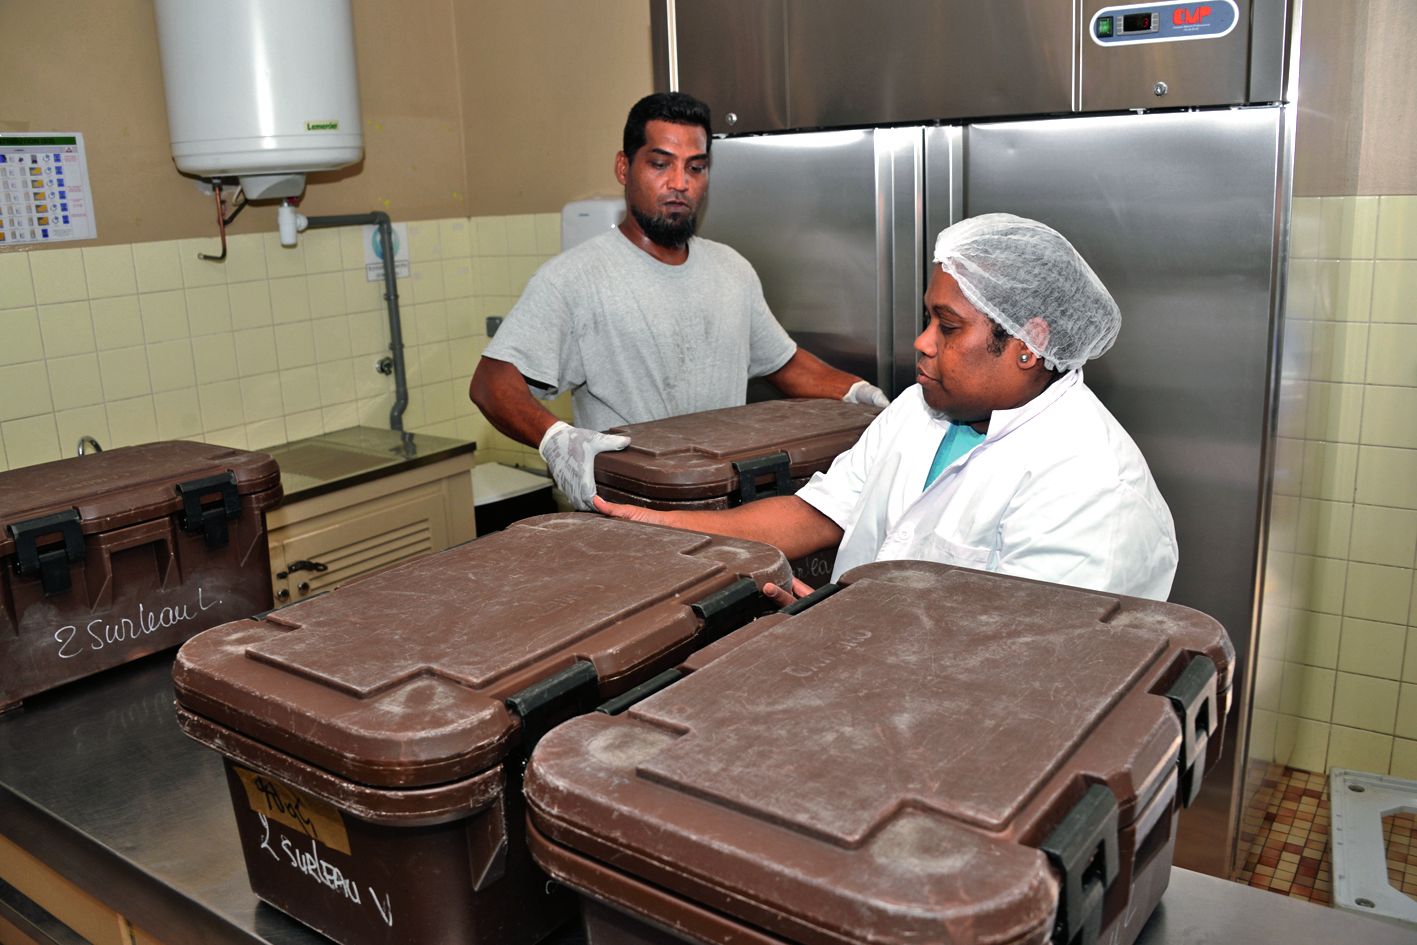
(630, 513)
(868, 394)
(570, 458)
(781, 596)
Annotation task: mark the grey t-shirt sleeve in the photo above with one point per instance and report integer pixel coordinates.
(769, 345)
(539, 337)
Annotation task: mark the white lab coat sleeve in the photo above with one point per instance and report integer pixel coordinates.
(1085, 528)
(839, 492)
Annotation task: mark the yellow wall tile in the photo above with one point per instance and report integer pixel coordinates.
(1301, 743)
(1329, 470)
(361, 295)
(214, 359)
(1263, 727)
(1340, 352)
(427, 282)
(1334, 412)
(425, 242)
(351, 248)
(300, 391)
(1387, 477)
(336, 380)
(1307, 691)
(1305, 225)
(245, 258)
(1378, 593)
(261, 398)
(1397, 228)
(1312, 640)
(74, 381)
(30, 440)
(208, 310)
(1404, 759)
(433, 323)
(1406, 726)
(1269, 678)
(1343, 290)
(220, 404)
(131, 422)
(306, 423)
(283, 261)
(1320, 583)
(489, 235)
(179, 417)
(1348, 227)
(548, 234)
(457, 278)
(250, 305)
(58, 275)
(255, 351)
(521, 235)
(1395, 291)
(332, 339)
(1384, 536)
(23, 340)
(322, 251)
(456, 237)
(339, 416)
(295, 345)
(1358, 750)
(110, 271)
(264, 434)
(1409, 662)
(1365, 702)
(290, 299)
(117, 322)
(1324, 527)
(158, 267)
(16, 284)
(196, 271)
(1392, 355)
(490, 273)
(326, 291)
(170, 365)
(1371, 648)
(124, 372)
(164, 316)
(26, 388)
(234, 437)
(1389, 416)
(67, 328)
(82, 421)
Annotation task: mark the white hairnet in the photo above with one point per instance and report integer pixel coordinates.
(1014, 270)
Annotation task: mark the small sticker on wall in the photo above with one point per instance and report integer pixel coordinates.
(374, 253)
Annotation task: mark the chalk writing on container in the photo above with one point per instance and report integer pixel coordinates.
(107, 631)
(304, 856)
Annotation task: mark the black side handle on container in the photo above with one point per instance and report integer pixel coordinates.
(51, 564)
(1193, 697)
(748, 470)
(1083, 849)
(547, 702)
(210, 519)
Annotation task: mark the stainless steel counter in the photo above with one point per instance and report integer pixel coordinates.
(97, 780)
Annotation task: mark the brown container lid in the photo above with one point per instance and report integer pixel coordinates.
(692, 457)
(882, 766)
(399, 678)
(122, 486)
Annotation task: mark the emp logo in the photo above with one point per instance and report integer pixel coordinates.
(1183, 16)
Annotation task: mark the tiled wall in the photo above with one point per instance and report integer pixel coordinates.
(1336, 684)
(145, 341)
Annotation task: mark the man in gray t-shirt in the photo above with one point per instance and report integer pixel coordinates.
(645, 321)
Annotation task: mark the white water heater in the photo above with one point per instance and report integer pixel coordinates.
(261, 90)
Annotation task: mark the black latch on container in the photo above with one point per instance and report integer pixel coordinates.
(811, 600)
(1083, 849)
(643, 691)
(550, 701)
(211, 518)
(726, 610)
(1193, 697)
(748, 470)
(51, 564)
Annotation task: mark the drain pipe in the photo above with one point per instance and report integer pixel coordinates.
(391, 293)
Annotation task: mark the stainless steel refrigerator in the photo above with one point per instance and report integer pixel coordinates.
(1162, 155)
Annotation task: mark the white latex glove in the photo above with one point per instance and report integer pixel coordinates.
(570, 458)
(868, 394)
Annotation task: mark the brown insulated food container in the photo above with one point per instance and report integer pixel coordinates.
(721, 458)
(118, 554)
(375, 736)
(929, 754)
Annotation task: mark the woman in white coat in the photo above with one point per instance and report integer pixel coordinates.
(999, 458)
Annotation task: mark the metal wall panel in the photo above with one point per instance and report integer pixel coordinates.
(730, 54)
(1178, 214)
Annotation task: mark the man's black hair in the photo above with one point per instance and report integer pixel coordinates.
(675, 107)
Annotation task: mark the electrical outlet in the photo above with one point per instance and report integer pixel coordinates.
(493, 323)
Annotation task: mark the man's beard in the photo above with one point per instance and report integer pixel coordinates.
(671, 234)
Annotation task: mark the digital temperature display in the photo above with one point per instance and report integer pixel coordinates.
(1139, 22)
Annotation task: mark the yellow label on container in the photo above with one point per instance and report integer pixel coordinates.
(329, 125)
(296, 809)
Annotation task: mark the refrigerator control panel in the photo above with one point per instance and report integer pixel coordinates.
(1162, 22)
